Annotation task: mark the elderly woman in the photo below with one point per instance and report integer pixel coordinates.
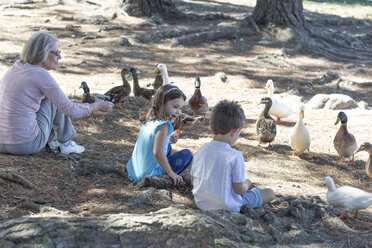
(33, 108)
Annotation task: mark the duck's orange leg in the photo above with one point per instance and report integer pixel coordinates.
(294, 154)
(352, 160)
(343, 215)
(119, 106)
(308, 153)
(193, 115)
(278, 120)
(356, 214)
(103, 115)
(203, 121)
(341, 163)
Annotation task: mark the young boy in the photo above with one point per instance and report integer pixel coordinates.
(218, 171)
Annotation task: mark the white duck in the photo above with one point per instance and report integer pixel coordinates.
(278, 109)
(347, 197)
(163, 69)
(300, 135)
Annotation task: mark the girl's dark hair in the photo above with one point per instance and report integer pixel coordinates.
(226, 116)
(162, 95)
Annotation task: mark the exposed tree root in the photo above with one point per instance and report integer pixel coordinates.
(166, 34)
(280, 14)
(217, 33)
(164, 181)
(14, 177)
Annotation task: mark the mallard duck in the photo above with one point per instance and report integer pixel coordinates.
(197, 102)
(300, 135)
(347, 197)
(344, 142)
(142, 95)
(367, 147)
(163, 69)
(278, 109)
(120, 91)
(158, 82)
(91, 98)
(265, 125)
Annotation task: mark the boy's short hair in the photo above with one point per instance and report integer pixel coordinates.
(226, 116)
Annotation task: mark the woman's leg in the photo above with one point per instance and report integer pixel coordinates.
(179, 161)
(50, 121)
(50, 118)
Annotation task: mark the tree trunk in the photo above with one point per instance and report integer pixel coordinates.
(147, 7)
(282, 13)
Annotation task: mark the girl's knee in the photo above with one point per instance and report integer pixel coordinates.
(187, 153)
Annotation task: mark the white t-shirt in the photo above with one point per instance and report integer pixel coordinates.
(215, 167)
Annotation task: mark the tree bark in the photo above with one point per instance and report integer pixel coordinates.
(289, 14)
(148, 7)
(280, 12)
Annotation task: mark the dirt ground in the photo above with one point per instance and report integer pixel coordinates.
(92, 54)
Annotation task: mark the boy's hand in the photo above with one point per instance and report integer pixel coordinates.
(177, 179)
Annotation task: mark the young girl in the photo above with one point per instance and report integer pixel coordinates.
(152, 153)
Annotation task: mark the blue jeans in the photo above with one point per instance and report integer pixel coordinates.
(179, 161)
(252, 198)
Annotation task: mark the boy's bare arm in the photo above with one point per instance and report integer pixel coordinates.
(241, 188)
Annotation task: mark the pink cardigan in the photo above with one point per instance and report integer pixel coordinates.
(22, 89)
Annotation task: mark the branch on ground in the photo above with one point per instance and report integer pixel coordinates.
(14, 177)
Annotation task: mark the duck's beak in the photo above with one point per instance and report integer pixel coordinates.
(156, 69)
(359, 150)
(129, 75)
(302, 115)
(338, 120)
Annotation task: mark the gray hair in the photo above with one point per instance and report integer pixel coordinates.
(37, 48)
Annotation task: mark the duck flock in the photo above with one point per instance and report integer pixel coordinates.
(345, 197)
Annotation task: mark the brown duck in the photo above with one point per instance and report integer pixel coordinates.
(198, 102)
(367, 147)
(266, 125)
(344, 142)
(120, 91)
(141, 94)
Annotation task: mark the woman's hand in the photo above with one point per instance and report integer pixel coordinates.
(177, 179)
(100, 106)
